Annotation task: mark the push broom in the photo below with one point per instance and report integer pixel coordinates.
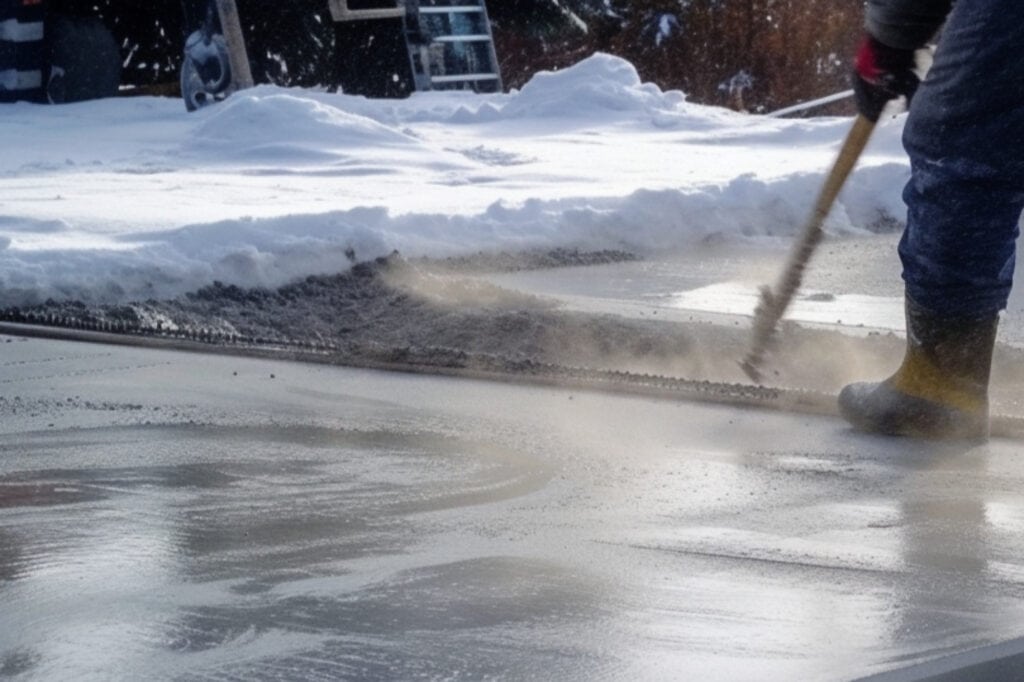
(774, 302)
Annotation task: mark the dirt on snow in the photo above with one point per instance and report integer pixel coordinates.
(444, 313)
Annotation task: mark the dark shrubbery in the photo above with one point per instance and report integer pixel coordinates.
(757, 55)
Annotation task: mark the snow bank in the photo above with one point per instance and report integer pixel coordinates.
(273, 251)
(597, 85)
(264, 122)
(601, 88)
(134, 198)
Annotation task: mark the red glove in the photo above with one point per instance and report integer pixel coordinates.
(882, 73)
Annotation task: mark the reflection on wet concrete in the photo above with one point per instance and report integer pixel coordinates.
(271, 531)
(882, 550)
(14, 663)
(465, 620)
(41, 494)
(943, 534)
(10, 555)
(363, 526)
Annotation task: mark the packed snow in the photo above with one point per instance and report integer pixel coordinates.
(134, 198)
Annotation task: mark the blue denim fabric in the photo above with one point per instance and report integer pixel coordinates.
(965, 138)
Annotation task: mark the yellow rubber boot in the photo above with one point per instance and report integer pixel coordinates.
(941, 389)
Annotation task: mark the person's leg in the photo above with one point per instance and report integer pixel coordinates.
(964, 202)
(965, 138)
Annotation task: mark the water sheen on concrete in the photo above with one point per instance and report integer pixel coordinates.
(174, 516)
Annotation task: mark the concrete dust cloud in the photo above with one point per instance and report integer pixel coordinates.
(803, 358)
(453, 314)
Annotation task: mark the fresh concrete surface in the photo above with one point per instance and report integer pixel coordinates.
(167, 515)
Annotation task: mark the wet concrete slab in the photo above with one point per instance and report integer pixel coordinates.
(181, 516)
(853, 285)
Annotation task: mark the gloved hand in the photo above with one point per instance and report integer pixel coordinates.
(882, 73)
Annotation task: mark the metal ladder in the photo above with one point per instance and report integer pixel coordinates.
(450, 43)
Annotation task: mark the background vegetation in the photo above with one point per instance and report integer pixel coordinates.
(757, 55)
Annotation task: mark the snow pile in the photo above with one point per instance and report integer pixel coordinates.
(264, 122)
(135, 198)
(589, 90)
(599, 89)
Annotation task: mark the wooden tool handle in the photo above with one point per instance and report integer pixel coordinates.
(774, 302)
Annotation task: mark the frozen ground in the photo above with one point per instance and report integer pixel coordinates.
(180, 516)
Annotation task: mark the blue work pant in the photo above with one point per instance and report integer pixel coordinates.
(965, 138)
